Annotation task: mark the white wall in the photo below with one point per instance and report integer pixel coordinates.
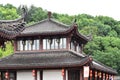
(24, 75)
(52, 75)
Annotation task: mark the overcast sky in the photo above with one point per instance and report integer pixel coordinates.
(109, 8)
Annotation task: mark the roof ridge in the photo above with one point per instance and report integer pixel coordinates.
(60, 23)
(52, 20)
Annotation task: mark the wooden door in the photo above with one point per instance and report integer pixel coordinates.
(74, 75)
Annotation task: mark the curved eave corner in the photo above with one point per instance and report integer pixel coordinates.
(11, 28)
(101, 67)
(83, 37)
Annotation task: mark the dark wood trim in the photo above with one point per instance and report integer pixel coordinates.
(64, 77)
(15, 45)
(68, 41)
(74, 74)
(36, 74)
(81, 74)
(41, 75)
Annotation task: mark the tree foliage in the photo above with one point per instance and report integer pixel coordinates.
(8, 12)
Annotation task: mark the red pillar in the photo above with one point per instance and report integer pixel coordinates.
(91, 74)
(96, 75)
(7, 75)
(34, 73)
(63, 74)
(106, 76)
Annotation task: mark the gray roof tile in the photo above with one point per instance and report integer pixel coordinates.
(50, 59)
(42, 59)
(46, 26)
(11, 28)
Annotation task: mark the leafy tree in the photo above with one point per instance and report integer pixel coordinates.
(93, 30)
(8, 50)
(8, 12)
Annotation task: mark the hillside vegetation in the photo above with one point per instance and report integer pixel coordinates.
(105, 31)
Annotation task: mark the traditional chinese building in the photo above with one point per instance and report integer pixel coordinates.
(50, 50)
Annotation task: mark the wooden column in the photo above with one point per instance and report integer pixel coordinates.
(63, 74)
(81, 74)
(99, 76)
(68, 43)
(34, 73)
(15, 45)
(41, 75)
(91, 75)
(109, 76)
(106, 76)
(7, 75)
(113, 77)
(41, 44)
(96, 75)
(103, 76)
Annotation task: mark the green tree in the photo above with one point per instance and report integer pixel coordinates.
(8, 12)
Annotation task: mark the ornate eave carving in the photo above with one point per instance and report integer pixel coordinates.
(9, 29)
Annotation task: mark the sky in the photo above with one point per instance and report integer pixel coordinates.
(109, 8)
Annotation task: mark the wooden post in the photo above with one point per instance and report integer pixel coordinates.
(91, 74)
(68, 43)
(15, 45)
(7, 75)
(99, 76)
(34, 73)
(81, 74)
(95, 75)
(106, 76)
(40, 44)
(41, 75)
(63, 74)
(113, 77)
(102, 76)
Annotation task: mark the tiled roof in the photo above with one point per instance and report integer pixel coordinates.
(50, 59)
(46, 26)
(51, 27)
(55, 59)
(10, 28)
(99, 66)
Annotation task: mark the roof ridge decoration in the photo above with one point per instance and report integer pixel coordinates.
(49, 15)
(50, 19)
(11, 28)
